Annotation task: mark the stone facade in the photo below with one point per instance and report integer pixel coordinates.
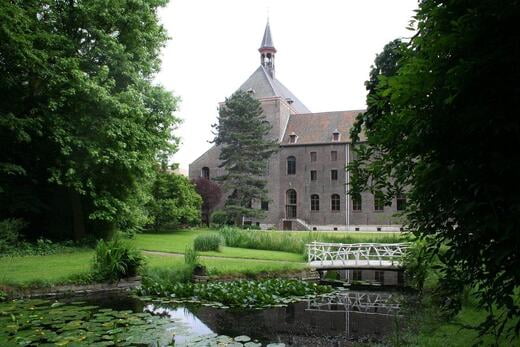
(317, 143)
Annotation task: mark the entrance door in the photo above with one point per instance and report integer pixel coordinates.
(287, 225)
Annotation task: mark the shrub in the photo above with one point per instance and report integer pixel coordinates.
(10, 233)
(220, 218)
(208, 242)
(116, 259)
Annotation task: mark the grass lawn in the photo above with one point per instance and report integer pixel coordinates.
(227, 266)
(44, 269)
(176, 242)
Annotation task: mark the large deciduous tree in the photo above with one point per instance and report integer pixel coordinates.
(81, 123)
(445, 124)
(211, 195)
(241, 133)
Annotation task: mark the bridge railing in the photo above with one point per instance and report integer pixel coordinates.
(356, 254)
(351, 301)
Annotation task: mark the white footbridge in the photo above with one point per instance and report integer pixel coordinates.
(380, 303)
(377, 256)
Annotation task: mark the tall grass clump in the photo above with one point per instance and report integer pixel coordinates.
(116, 259)
(294, 242)
(208, 242)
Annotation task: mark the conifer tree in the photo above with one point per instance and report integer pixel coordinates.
(241, 133)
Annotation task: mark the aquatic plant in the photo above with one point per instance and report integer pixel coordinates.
(208, 242)
(116, 259)
(241, 293)
(43, 322)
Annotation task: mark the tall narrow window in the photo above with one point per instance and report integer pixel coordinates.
(335, 204)
(334, 175)
(333, 155)
(315, 202)
(265, 205)
(205, 172)
(291, 165)
(290, 203)
(313, 156)
(401, 202)
(314, 175)
(356, 202)
(379, 204)
(292, 138)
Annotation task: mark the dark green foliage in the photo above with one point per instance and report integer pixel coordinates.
(444, 125)
(418, 263)
(220, 218)
(174, 202)
(10, 230)
(208, 242)
(244, 294)
(116, 259)
(81, 123)
(242, 134)
(47, 247)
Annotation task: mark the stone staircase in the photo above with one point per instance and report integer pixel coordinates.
(297, 224)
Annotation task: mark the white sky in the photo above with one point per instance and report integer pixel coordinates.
(325, 49)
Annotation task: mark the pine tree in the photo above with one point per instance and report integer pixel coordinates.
(241, 132)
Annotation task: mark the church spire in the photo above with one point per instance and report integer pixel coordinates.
(267, 51)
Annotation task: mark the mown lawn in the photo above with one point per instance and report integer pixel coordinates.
(227, 266)
(44, 269)
(176, 242)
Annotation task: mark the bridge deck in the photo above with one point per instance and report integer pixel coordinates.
(355, 264)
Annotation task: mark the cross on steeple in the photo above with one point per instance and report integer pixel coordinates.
(267, 51)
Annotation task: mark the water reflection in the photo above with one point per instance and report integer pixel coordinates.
(334, 320)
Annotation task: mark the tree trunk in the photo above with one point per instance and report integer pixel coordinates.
(77, 216)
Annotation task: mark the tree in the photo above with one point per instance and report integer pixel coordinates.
(210, 193)
(449, 135)
(81, 123)
(174, 202)
(245, 149)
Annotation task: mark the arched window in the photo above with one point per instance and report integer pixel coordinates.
(335, 204)
(379, 203)
(290, 203)
(205, 172)
(315, 202)
(291, 165)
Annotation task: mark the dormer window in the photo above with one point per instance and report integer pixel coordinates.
(335, 135)
(292, 138)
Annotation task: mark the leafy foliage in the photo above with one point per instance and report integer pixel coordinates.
(244, 294)
(220, 218)
(242, 134)
(116, 259)
(211, 195)
(442, 124)
(175, 202)
(10, 233)
(208, 242)
(81, 123)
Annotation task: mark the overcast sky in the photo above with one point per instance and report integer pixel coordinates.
(325, 49)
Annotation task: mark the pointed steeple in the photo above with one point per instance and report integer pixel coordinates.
(267, 41)
(267, 51)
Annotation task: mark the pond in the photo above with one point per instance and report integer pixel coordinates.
(336, 319)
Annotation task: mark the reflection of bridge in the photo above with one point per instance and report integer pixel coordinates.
(380, 303)
(383, 256)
